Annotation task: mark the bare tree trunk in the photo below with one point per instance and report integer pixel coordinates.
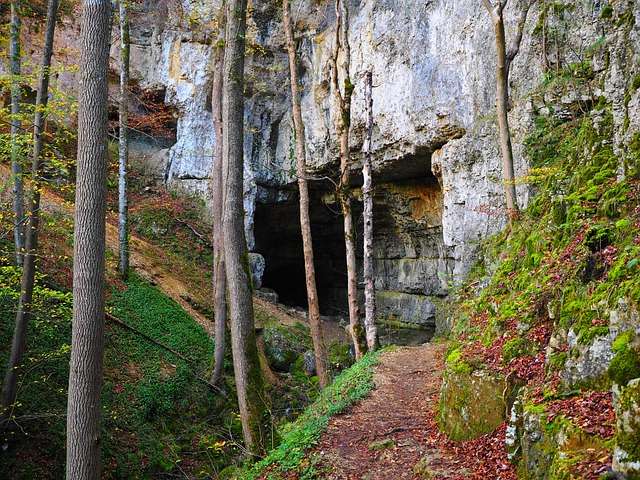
(123, 204)
(246, 361)
(344, 193)
(16, 147)
(87, 343)
(371, 328)
(10, 383)
(219, 274)
(502, 100)
(315, 323)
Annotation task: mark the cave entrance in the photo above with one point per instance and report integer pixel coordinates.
(278, 239)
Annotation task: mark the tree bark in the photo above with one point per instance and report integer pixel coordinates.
(344, 193)
(18, 346)
(16, 148)
(502, 104)
(370, 326)
(87, 343)
(246, 362)
(315, 323)
(219, 274)
(123, 167)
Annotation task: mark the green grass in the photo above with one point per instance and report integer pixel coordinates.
(299, 437)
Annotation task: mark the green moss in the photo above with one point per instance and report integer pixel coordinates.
(625, 366)
(607, 11)
(588, 335)
(516, 347)
(620, 344)
(456, 363)
(536, 409)
(556, 362)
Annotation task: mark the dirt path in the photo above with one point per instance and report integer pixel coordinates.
(396, 417)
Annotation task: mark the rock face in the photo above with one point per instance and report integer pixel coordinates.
(473, 403)
(437, 162)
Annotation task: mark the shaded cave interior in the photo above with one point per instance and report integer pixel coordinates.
(406, 212)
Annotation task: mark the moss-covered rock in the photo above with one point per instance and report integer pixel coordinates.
(625, 366)
(550, 450)
(626, 457)
(587, 361)
(285, 346)
(472, 403)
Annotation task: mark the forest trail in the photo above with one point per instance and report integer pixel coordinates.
(387, 434)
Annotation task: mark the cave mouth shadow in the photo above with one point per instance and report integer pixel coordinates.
(278, 239)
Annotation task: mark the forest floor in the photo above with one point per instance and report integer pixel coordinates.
(392, 434)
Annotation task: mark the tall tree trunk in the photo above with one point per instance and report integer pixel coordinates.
(16, 144)
(87, 343)
(10, 383)
(219, 273)
(502, 104)
(315, 324)
(246, 362)
(370, 326)
(123, 204)
(343, 96)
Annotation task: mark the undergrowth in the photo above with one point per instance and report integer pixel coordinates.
(295, 454)
(559, 271)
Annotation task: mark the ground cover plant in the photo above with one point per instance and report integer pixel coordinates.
(556, 275)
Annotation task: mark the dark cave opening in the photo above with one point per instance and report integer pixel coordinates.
(278, 239)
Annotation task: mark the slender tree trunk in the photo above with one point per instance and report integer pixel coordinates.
(545, 58)
(344, 193)
(16, 144)
(371, 328)
(315, 323)
(87, 343)
(246, 361)
(502, 105)
(10, 384)
(219, 273)
(123, 203)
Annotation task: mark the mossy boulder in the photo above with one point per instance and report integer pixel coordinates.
(549, 449)
(473, 403)
(538, 448)
(284, 346)
(626, 456)
(587, 361)
(625, 366)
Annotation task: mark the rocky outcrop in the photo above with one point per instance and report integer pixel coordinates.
(437, 161)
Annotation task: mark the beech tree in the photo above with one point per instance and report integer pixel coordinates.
(246, 362)
(16, 130)
(343, 97)
(315, 324)
(87, 342)
(371, 328)
(504, 58)
(123, 126)
(18, 345)
(219, 273)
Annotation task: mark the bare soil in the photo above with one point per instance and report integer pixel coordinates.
(386, 435)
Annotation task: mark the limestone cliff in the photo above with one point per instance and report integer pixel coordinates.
(437, 169)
